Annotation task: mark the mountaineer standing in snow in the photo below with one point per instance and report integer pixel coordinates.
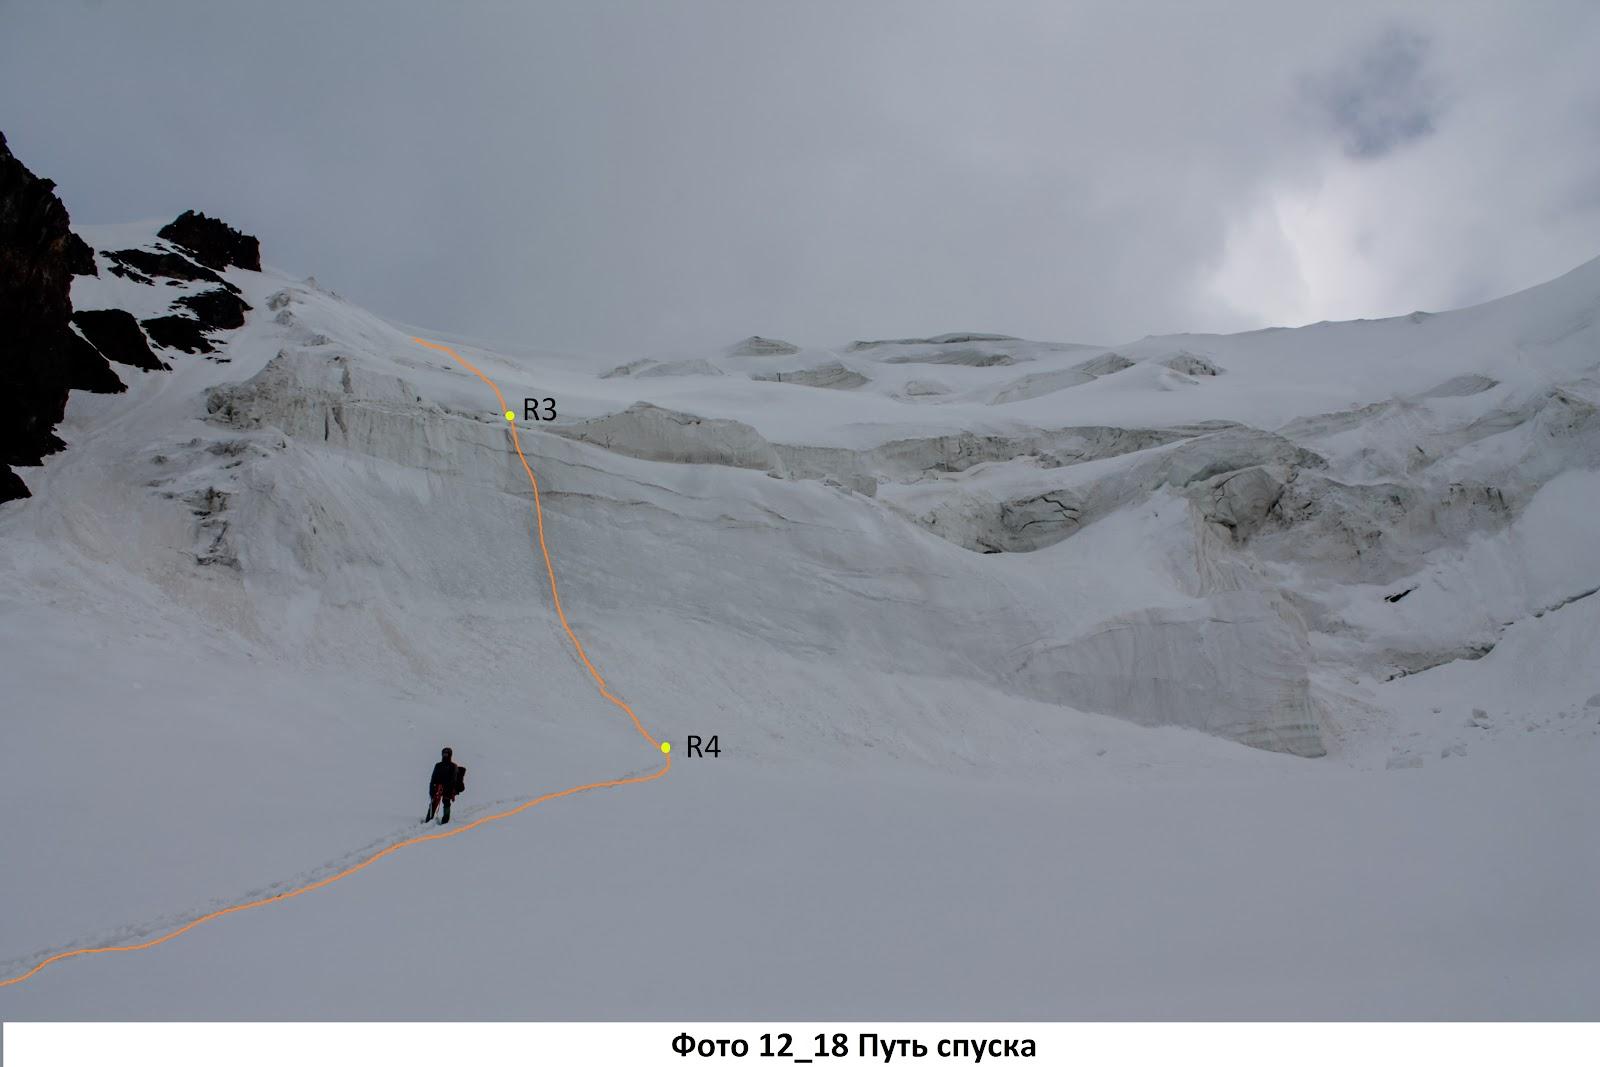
(449, 779)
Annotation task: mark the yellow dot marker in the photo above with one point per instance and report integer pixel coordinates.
(511, 416)
(666, 746)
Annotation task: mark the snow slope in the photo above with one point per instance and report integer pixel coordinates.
(979, 623)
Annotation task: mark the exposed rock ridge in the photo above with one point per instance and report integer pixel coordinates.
(47, 349)
(41, 356)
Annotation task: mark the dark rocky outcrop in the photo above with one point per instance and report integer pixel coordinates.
(88, 370)
(145, 266)
(213, 242)
(117, 336)
(217, 309)
(41, 357)
(80, 257)
(46, 350)
(178, 331)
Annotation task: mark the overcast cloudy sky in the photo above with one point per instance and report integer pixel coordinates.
(663, 174)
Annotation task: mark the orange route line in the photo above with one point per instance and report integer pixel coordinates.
(599, 681)
(538, 511)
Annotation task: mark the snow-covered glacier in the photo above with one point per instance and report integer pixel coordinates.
(1046, 623)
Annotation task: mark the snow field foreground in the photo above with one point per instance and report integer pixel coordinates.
(253, 598)
(777, 892)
